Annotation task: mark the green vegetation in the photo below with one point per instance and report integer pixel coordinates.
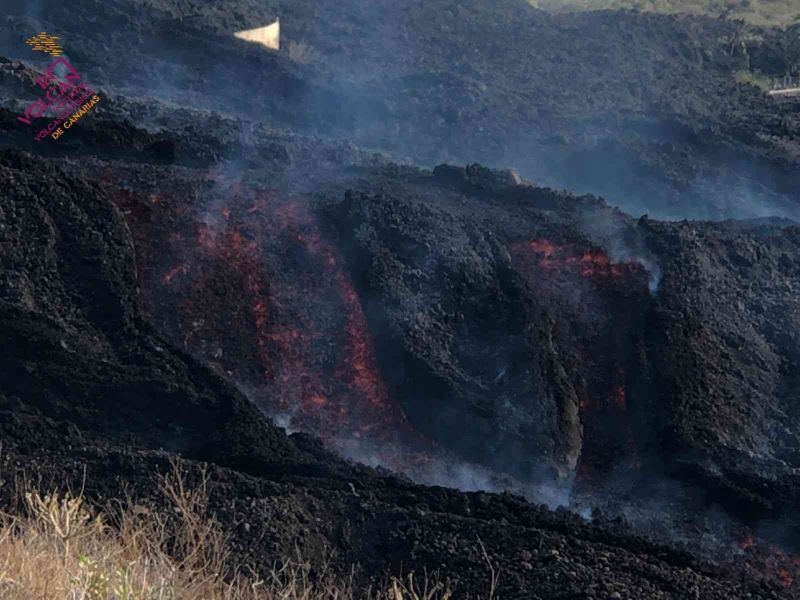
(755, 79)
(759, 12)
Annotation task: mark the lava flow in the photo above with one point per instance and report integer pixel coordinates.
(589, 263)
(603, 299)
(256, 290)
(771, 563)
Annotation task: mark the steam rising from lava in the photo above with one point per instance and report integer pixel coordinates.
(256, 287)
(316, 364)
(604, 299)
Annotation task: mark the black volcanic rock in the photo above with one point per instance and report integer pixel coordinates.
(458, 324)
(644, 109)
(724, 341)
(90, 392)
(81, 352)
(450, 322)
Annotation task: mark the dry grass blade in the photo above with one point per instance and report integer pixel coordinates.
(494, 574)
(61, 550)
(65, 516)
(409, 589)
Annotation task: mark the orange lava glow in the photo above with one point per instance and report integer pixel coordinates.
(618, 398)
(240, 253)
(182, 269)
(602, 296)
(772, 562)
(542, 247)
(368, 402)
(267, 296)
(589, 263)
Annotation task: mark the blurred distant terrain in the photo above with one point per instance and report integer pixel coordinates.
(759, 12)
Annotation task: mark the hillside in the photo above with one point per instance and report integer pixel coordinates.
(321, 281)
(93, 398)
(757, 12)
(643, 109)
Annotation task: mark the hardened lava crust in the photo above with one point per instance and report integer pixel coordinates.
(234, 261)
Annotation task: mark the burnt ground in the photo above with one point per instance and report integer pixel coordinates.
(172, 274)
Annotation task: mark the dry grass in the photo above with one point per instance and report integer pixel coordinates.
(756, 79)
(63, 550)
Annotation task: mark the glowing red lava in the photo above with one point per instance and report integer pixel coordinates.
(772, 563)
(258, 290)
(603, 298)
(589, 263)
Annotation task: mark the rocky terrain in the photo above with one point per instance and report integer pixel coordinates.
(186, 270)
(643, 109)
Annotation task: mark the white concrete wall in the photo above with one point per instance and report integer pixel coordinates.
(269, 36)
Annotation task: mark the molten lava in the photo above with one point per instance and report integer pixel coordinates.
(772, 563)
(603, 300)
(259, 292)
(588, 263)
